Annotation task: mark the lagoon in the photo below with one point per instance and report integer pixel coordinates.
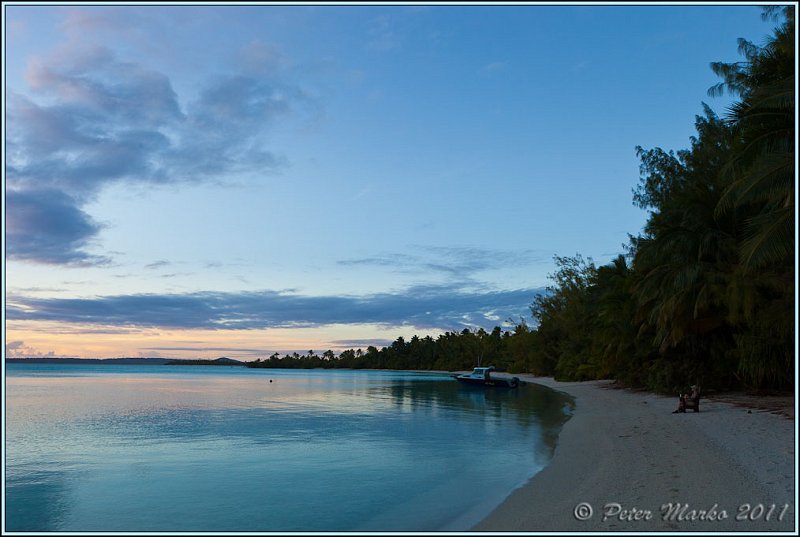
(202, 448)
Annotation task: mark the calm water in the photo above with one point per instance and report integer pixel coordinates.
(194, 448)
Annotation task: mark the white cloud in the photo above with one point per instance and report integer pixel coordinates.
(18, 349)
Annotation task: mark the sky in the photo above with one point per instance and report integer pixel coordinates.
(196, 181)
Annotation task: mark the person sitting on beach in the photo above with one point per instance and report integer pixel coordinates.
(682, 398)
(681, 404)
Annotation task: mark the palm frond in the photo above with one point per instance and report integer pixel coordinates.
(770, 238)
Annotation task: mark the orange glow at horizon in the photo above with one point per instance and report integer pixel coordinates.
(28, 339)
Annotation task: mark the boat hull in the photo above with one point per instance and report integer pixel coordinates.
(491, 383)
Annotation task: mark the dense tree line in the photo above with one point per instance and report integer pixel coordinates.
(705, 294)
(451, 351)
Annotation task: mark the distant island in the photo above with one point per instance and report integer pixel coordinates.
(101, 361)
(218, 361)
(124, 361)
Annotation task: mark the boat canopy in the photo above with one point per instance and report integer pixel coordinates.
(481, 372)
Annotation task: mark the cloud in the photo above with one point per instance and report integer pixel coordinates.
(84, 330)
(91, 119)
(37, 289)
(458, 263)
(207, 349)
(48, 227)
(90, 80)
(157, 264)
(431, 306)
(383, 260)
(18, 349)
(359, 343)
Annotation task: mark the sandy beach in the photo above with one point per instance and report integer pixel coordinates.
(628, 457)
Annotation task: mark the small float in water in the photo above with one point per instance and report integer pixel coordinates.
(482, 376)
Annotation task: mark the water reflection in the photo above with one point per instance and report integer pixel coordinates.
(528, 405)
(125, 450)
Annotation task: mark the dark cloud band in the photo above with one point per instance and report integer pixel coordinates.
(443, 307)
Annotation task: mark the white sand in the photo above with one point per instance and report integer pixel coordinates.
(628, 448)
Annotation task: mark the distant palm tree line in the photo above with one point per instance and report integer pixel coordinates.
(705, 294)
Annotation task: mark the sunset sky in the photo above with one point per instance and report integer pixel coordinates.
(205, 181)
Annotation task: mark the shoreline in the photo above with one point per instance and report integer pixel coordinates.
(628, 448)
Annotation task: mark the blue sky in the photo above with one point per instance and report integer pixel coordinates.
(199, 180)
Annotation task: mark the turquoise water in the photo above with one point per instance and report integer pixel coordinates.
(197, 448)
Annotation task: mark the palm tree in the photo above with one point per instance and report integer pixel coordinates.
(684, 261)
(761, 195)
(762, 167)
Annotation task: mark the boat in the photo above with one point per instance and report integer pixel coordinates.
(482, 376)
